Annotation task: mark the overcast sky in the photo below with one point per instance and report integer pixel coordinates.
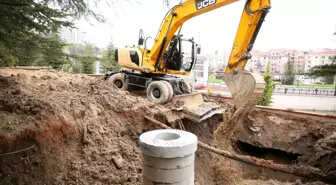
(294, 24)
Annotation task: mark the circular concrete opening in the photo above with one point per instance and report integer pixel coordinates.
(167, 136)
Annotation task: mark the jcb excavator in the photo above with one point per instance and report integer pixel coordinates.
(158, 69)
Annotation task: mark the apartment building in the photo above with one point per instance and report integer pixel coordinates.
(278, 58)
(258, 61)
(73, 35)
(322, 57)
(200, 73)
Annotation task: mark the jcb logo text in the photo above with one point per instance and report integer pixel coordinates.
(204, 3)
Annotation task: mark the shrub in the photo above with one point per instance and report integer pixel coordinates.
(268, 91)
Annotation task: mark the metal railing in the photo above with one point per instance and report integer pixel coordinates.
(304, 91)
(289, 90)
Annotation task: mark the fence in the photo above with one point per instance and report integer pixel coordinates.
(304, 91)
(283, 90)
(217, 84)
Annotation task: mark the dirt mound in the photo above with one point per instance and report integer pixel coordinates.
(81, 130)
(60, 128)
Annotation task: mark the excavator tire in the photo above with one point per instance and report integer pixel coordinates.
(118, 80)
(187, 88)
(158, 92)
(170, 89)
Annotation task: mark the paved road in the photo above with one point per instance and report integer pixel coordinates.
(280, 90)
(322, 103)
(294, 101)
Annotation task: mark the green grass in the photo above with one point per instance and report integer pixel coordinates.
(212, 78)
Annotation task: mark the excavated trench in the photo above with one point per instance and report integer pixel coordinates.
(86, 132)
(276, 155)
(274, 146)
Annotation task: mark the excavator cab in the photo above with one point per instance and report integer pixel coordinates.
(181, 54)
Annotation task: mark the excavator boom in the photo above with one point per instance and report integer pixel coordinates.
(156, 66)
(252, 17)
(246, 88)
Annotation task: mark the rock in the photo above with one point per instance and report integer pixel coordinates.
(118, 161)
(52, 87)
(45, 77)
(16, 91)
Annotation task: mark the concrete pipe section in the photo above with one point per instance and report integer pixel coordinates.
(168, 157)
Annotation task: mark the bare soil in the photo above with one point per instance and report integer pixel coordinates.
(285, 139)
(81, 130)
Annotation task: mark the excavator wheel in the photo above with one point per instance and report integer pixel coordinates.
(118, 80)
(158, 92)
(187, 87)
(170, 89)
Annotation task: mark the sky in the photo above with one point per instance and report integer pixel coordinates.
(292, 24)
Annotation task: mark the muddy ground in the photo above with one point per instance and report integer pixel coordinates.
(76, 129)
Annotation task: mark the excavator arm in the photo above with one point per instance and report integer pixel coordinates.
(246, 88)
(252, 17)
(163, 58)
(250, 23)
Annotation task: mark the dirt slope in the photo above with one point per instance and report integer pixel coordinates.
(84, 131)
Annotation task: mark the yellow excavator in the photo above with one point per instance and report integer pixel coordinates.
(160, 69)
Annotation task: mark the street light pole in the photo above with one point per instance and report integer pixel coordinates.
(297, 81)
(335, 85)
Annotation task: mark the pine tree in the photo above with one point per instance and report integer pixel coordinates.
(327, 71)
(53, 54)
(88, 59)
(26, 26)
(108, 59)
(329, 79)
(289, 75)
(268, 91)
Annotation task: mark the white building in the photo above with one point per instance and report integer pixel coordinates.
(278, 58)
(201, 70)
(258, 61)
(308, 63)
(217, 61)
(322, 57)
(73, 35)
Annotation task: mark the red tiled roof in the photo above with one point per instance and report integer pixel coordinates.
(257, 53)
(324, 52)
(284, 50)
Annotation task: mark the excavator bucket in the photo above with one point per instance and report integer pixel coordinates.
(246, 89)
(194, 107)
